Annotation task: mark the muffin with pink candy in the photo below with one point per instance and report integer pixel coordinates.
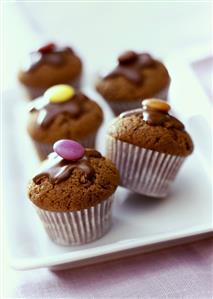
(50, 65)
(63, 113)
(73, 193)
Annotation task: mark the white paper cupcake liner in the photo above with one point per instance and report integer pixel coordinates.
(44, 149)
(88, 141)
(79, 227)
(142, 170)
(34, 92)
(119, 107)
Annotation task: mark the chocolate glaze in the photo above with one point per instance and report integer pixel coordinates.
(47, 111)
(55, 57)
(58, 169)
(156, 118)
(130, 65)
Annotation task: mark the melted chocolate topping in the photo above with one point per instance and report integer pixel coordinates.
(55, 57)
(156, 118)
(130, 65)
(47, 111)
(57, 169)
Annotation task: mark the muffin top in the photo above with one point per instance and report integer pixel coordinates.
(136, 76)
(50, 65)
(63, 112)
(76, 179)
(152, 127)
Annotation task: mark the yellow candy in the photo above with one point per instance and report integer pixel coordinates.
(59, 93)
(156, 104)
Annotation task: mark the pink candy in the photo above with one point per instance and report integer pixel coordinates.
(69, 149)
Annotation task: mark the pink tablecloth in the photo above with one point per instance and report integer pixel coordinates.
(181, 272)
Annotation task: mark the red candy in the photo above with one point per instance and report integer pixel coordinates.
(47, 48)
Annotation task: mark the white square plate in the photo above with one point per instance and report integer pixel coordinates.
(140, 223)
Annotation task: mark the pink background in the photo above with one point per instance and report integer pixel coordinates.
(180, 272)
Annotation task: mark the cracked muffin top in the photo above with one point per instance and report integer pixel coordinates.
(136, 76)
(152, 127)
(63, 112)
(73, 178)
(50, 65)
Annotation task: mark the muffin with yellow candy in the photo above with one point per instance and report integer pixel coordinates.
(63, 113)
(148, 146)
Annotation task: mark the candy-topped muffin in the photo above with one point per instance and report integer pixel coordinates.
(48, 66)
(137, 76)
(63, 113)
(148, 145)
(73, 193)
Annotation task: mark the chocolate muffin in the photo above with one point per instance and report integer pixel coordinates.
(63, 113)
(73, 193)
(137, 76)
(48, 66)
(148, 146)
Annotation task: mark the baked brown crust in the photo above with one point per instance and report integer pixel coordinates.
(65, 126)
(119, 88)
(133, 129)
(48, 75)
(71, 194)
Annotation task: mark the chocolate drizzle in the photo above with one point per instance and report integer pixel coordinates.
(156, 118)
(47, 111)
(55, 57)
(57, 169)
(130, 65)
